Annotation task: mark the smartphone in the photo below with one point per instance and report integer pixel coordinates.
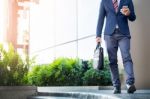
(123, 9)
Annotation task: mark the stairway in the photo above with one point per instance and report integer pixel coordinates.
(86, 92)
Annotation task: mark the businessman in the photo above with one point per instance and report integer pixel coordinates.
(117, 35)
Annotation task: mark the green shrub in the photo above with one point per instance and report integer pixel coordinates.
(36, 76)
(65, 71)
(12, 68)
(62, 71)
(68, 72)
(94, 77)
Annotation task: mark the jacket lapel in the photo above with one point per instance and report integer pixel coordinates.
(110, 4)
(120, 5)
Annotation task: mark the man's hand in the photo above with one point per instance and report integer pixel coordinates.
(98, 39)
(125, 11)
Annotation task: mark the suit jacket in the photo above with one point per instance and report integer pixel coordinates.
(112, 18)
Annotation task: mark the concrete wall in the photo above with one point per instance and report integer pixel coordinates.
(140, 43)
(17, 92)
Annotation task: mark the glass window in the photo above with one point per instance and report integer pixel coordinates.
(67, 50)
(87, 17)
(65, 20)
(45, 56)
(42, 26)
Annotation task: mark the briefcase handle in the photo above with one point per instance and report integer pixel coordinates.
(98, 45)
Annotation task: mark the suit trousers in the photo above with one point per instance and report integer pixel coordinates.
(113, 42)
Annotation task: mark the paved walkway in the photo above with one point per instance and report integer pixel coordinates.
(87, 92)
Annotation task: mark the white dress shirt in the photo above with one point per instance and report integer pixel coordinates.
(118, 2)
(118, 9)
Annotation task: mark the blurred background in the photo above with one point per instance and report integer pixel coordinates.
(49, 29)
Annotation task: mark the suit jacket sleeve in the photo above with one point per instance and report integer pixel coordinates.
(102, 14)
(132, 15)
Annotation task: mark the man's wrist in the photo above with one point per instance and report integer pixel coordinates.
(98, 36)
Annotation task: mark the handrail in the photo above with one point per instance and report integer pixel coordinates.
(63, 43)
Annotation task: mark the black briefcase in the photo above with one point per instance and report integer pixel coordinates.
(98, 59)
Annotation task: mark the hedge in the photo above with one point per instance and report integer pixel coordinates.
(69, 72)
(61, 72)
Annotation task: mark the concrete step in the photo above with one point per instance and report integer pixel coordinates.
(49, 97)
(86, 93)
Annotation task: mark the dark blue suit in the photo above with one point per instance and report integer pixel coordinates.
(115, 38)
(112, 18)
